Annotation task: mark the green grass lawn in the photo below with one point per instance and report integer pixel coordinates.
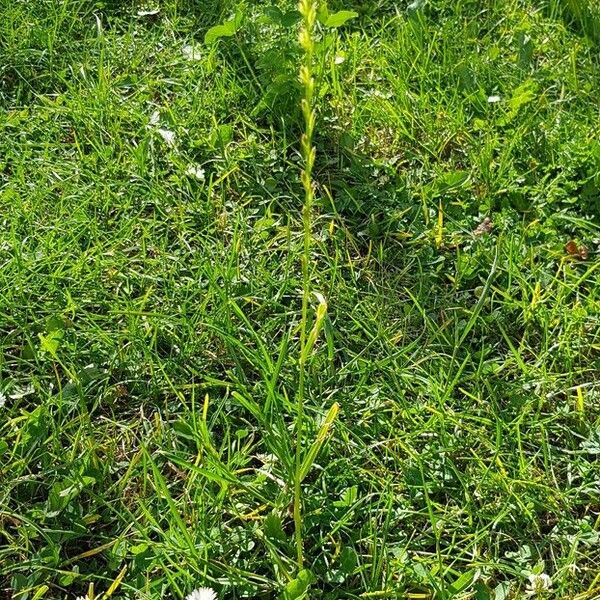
(151, 290)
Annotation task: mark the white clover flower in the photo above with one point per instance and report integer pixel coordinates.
(154, 119)
(202, 593)
(192, 52)
(196, 171)
(538, 584)
(168, 136)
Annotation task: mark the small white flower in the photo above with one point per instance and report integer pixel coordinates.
(494, 99)
(154, 119)
(192, 52)
(203, 593)
(148, 12)
(168, 136)
(538, 584)
(196, 171)
(339, 59)
(2, 399)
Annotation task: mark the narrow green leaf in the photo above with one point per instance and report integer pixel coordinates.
(319, 441)
(462, 582)
(162, 490)
(316, 330)
(40, 593)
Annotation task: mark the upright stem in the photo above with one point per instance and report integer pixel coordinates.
(308, 11)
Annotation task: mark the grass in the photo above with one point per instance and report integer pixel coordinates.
(151, 291)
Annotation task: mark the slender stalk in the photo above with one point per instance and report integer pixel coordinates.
(308, 11)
